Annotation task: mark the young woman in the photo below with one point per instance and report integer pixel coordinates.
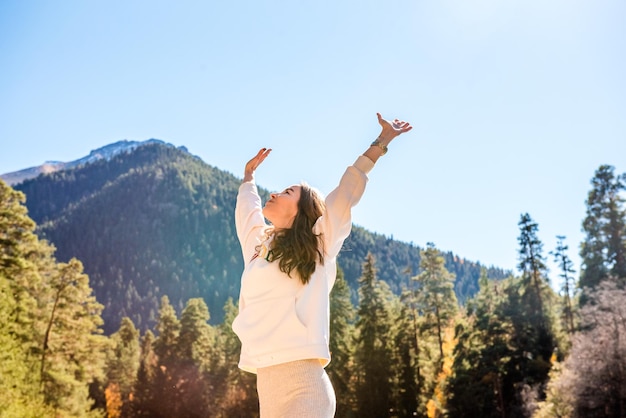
(290, 268)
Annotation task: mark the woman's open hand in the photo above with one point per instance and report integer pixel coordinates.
(393, 128)
(254, 163)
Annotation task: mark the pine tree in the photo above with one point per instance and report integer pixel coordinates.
(412, 391)
(528, 308)
(17, 238)
(20, 278)
(123, 362)
(168, 329)
(20, 395)
(532, 265)
(477, 386)
(373, 352)
(194, 352)
(340, 369)
(566, 266)
(142, 404)
(437, 405)
(54, 319)
(235, 390)
(72, 350)
(530, 312)
(163, 393)
(26, 263)
(406, 387)
(435, 297)
(603, 250)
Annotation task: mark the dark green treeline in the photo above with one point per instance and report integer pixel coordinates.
(515, 349)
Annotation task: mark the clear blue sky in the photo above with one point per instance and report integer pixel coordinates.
(514, 103)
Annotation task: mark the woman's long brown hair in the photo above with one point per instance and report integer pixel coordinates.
(299, 248)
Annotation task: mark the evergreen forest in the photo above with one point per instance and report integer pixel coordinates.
(118, 281)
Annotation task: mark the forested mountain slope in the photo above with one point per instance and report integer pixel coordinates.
(158, 221)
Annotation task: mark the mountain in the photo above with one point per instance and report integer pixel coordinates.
(154, 220)
(107, 152)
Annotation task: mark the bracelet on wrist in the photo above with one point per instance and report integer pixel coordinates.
(379, 144)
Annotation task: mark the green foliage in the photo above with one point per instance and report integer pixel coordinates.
(394, 258)
(153, 222)
(170, 234)
(19, 393)
(435, 297)
(157, 221)
(603, 250)
(406, 382)
(18, 267)
(532, 320)
(568, 286)
(123, 362)
(235, 391)
(72, 352)
(340, 369)
(373, 353)
(504, 351)
(50, 331)
(141, 403)
(482, 355)
(190, 368)
(533, 267)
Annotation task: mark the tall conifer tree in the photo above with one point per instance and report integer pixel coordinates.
(163, 396)
(20, 395)
(19, 276)
(530, 313)
(340, 369)
(373, 352)
(435, 297)
(123, 361)
(235, 390)
(143, 404)
(567, 288)
(532, 265)
(479, 386)
(72, 353)
(406, 387)
(53, 318)
(195, 346)
(603, 250)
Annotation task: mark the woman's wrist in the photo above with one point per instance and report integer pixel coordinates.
(382, 141)
(378, 147)
(378, 142)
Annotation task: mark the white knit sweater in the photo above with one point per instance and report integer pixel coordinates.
(280, 319)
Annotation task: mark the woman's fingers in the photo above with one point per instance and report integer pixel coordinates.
(398, 125)
(402, 125)
(262, 154)
(258, 158)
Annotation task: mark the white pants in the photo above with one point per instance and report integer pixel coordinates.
(298, 389)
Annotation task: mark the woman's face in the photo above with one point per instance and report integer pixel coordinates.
(281, 208)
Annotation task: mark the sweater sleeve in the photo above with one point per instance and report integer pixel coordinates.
(336, 223)
(249, 218)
